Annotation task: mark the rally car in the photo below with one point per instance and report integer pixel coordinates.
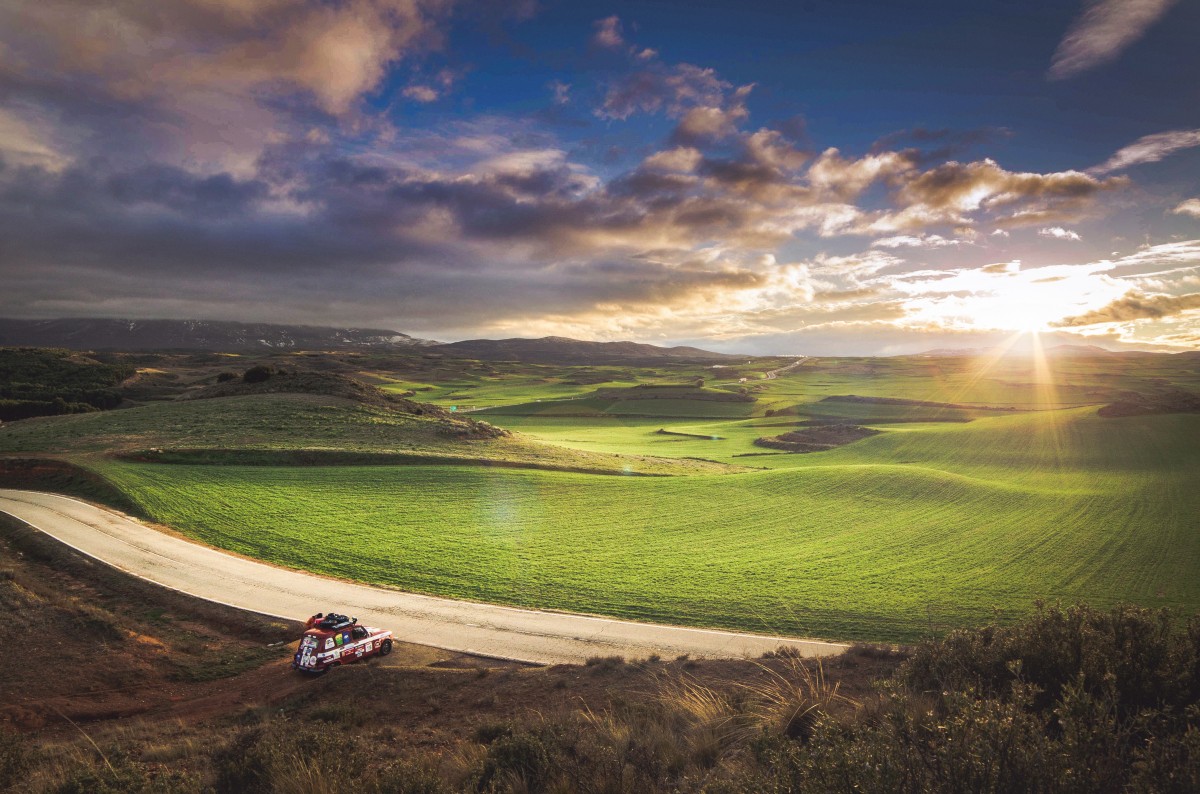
(337, 639)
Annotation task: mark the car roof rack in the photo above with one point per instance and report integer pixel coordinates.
(333, 621)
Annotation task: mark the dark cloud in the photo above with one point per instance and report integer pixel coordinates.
(661, 87)
(177, 190)
(952, 191)
(928, 146)
(1136, 306)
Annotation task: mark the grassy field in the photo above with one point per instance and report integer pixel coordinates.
(888, 538)
(1012, 489)
(278, 423)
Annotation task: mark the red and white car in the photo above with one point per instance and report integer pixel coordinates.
(335, 640)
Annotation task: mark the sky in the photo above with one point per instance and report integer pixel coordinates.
(811, 177)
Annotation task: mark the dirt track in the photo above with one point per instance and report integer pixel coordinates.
(484, 629)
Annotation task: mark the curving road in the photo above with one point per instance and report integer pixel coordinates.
(468, 627)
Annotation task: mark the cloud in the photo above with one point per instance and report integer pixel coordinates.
(930, 146)
(1148, 149)
(1105, 30)
(1059, 233)
(1136, 306)
(661, 87)
(1002, 267)
(957, 193)
(421, 93)
(608, 33)
(964, 187)
(707, 124)
(1189, 207)
(848, 178)
(830, 296)
(204, 82)
(25, 139)
(560, 91)
(915, 241)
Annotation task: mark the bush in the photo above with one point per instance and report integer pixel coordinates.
(410, 778)
(14, 759)
(225, 377)
(518, 758)
(1138, 651)
(287, 756)
(117, 773)
(258, 374)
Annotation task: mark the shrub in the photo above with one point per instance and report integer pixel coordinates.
(14, 759)
(257, 373)
(1135, 649)
(410, 778)
(120, 774)
(287, 756)
(518, 759)
(225, 377)
(604, 664)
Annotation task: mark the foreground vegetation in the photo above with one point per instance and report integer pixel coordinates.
(1070, 700)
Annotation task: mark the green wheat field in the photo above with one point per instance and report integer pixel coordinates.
(1009, 492)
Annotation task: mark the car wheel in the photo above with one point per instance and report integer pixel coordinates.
(385, 648)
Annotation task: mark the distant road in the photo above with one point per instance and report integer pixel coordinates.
(485, 629)
(773, 374)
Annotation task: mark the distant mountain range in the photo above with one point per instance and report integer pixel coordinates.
(214, 336)
(561, 350)
(1061, 351)
(200, 335)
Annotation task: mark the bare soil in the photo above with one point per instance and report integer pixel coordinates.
(817, 438)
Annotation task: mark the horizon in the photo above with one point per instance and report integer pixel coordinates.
(824, 179)
(1032, 345)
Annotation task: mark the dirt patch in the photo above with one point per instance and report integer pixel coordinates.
(662, 431)
(121, 644)
(817, 438)
(1175, 401)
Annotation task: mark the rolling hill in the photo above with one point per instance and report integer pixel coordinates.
(562, 350)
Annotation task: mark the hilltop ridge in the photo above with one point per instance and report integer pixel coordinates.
(197, 335)
(563, 350)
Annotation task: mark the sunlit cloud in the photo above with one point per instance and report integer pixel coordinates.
(1149, 149)
(1059, 233)
(608, 33)
(1189, 207)
(1105, 30)
(1136, 306)
(915, 241)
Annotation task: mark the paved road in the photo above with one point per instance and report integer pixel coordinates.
(527, 635)
(773, 374)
